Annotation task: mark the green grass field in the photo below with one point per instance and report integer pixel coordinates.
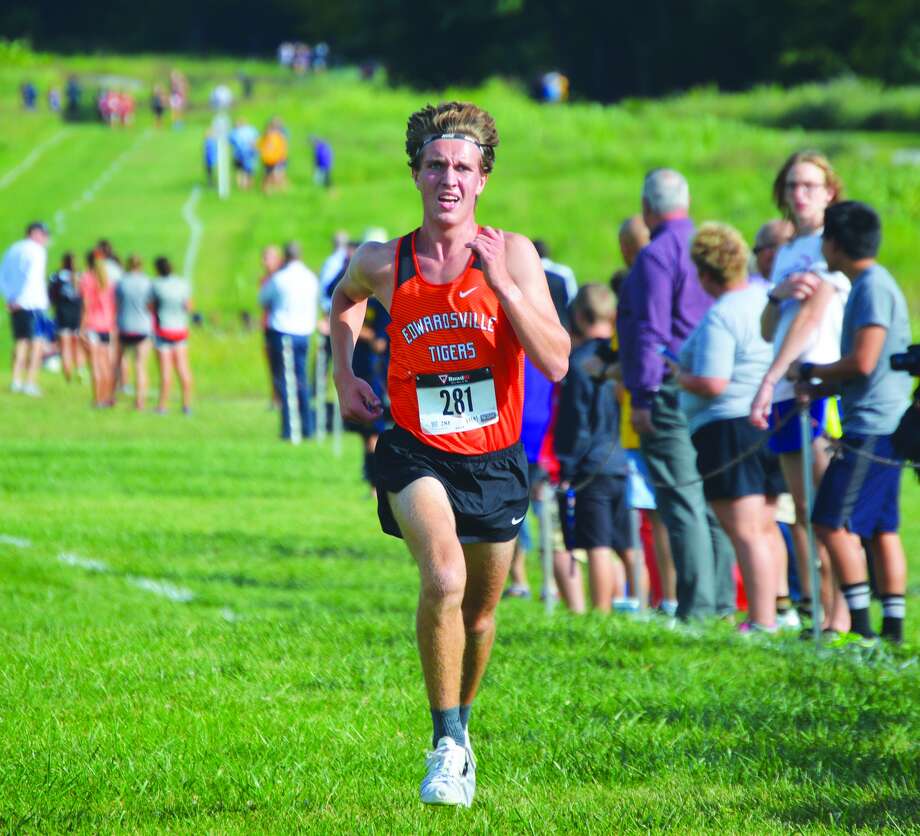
(204, 630)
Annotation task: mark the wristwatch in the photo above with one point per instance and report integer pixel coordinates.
(805, 371)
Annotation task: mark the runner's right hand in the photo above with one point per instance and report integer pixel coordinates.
(357, 401)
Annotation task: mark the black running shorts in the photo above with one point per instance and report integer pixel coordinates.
(25, 324)
(489, 493)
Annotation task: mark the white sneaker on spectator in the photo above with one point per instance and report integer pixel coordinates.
(630, 606)
(751, 629)
(446, 779)
(789, 620)
(31, 390)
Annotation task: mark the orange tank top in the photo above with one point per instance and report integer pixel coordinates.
(456, 377)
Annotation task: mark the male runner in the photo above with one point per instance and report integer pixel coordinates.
(466, 303)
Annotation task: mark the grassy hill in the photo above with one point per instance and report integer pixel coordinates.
(203, 630)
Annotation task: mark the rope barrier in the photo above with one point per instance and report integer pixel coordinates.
(745, 454)
(838, 444)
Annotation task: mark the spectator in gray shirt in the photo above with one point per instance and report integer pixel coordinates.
(721, 365)
(133, 300)
(172, 301)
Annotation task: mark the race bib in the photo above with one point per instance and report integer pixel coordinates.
(456, 402)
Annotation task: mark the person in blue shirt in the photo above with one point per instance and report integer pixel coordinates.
(210, 156)
(244, 140)
(860, 494)
(322, 162)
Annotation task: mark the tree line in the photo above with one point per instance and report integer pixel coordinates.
(608, 50)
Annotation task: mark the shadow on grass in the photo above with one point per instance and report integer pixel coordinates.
(898, 812)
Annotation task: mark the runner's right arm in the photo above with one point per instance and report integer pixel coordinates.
(366, 270)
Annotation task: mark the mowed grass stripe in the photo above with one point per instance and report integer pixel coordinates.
(61, 177)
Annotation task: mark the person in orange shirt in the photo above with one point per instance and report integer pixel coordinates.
(466, 303)
(97, 326)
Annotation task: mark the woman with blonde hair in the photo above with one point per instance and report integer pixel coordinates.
(721, 365)
(803, 320)
(97, 326)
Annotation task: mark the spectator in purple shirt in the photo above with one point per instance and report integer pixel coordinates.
(661, 302)
(322, 162)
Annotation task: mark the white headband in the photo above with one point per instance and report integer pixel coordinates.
(436, 137)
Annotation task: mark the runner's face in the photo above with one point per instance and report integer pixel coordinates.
(450, 179)
(807, 194)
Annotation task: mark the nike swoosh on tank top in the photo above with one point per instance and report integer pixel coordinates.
(456, 376)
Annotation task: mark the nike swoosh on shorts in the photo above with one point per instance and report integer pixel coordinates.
(516, 520)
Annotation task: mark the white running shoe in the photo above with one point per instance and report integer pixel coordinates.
(16, 387)
(31, 390)
(469, 776)
(789, 620)
(446, 780)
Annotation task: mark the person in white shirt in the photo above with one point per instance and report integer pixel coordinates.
(290, 298)
(566, 273)
(332, 268)
(22, 284)
(803, 320)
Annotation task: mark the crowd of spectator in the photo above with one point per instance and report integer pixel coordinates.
(679, 406)
(114, 102)
(301, 58)
(97, 321)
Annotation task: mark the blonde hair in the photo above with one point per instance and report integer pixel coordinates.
(595, 303)
(831, 179)
(719, 251)
(464, 118)
(95, 260)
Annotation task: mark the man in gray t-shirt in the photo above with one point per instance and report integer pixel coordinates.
(860, 490)
(873, 404)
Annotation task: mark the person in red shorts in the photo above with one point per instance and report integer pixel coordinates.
(466, 303)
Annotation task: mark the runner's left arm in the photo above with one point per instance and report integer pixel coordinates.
(513, 270)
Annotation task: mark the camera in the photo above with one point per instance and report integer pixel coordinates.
(908, 361)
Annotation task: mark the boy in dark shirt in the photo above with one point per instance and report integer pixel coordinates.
(593, 463)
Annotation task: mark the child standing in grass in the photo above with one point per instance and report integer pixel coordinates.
(859, 494)
(593, 462)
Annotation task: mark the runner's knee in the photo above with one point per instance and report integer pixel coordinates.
(444, 584)
(478, 622)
